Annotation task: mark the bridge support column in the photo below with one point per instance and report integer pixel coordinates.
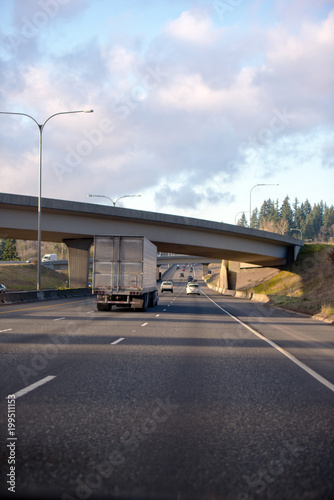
(228, 274)
(223, 283)
(232, 274)
(78, 261)
(205, 269)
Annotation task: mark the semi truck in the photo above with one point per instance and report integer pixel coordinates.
(124, 272)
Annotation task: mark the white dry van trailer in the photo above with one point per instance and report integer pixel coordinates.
(124, 272)
(49, 257)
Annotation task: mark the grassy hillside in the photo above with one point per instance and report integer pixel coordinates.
(307, 285)
(23, 277)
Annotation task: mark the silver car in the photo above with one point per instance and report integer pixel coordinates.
(192, 288)
(2, 288)
(166, 286)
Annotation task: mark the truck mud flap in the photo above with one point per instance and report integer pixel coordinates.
(137, 304)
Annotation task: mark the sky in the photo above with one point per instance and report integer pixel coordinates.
(195, 102)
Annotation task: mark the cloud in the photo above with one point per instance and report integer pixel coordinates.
(193, 27)
(327, 155)
(187, 197)
(195, 103)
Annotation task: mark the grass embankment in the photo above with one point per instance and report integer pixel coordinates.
(307, 285)
(23, 277)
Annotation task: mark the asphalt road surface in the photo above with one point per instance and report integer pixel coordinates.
(185, 401)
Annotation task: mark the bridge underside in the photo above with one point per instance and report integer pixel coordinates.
(162, 246)
(185, 248)
(77, 223)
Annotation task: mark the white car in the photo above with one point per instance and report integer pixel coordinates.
(166, 286)
(192, 288)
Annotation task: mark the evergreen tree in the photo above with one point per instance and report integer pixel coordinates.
(286, 212)
(307, 228)
(267, 210)
(306, 209)
(254, 222)
(2, 248)
(243, 220)
(316, 218)
(295, 205)
(10, 252)
(328, 218)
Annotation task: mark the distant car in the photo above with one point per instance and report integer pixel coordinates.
(190, 278)
(193, 288)
(181, 275)
(2, 288)
(166, 286)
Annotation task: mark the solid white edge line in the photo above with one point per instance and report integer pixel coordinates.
(31, 387)
(116, 341)
(304, 367)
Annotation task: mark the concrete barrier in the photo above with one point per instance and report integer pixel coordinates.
(35, 296)
(257, 297)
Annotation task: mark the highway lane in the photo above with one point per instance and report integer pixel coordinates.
(189, 404)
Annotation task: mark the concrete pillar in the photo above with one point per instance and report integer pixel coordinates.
(205, 269)
(228, 274)
(223, 283)
(232, 274)
(78, 261)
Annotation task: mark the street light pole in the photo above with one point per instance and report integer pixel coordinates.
(39, 208)
(113, 202)
(296, 229)
(250, 199)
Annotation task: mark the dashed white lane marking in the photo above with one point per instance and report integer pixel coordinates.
(8, 330)
(301, 365)
(117, 341)
(89, 312)
(157, 315)
(58, 319)
(31, 387)
(144, 324)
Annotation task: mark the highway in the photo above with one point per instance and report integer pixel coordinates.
(183, 401)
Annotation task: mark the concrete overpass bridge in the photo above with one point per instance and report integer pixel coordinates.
(76, 224)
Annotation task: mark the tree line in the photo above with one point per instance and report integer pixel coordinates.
(299, 219)
(8, 250)
(11, 249)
